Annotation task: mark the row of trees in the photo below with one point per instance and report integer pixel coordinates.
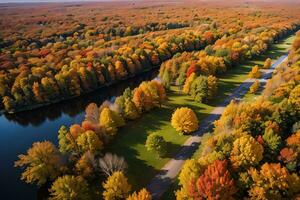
(253, 151)
(63, 70)
(78, 161)
(226, 53)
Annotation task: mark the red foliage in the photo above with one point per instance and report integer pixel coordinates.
(260, 140)
(288, 155)
(192, 69)
(216, 183)
(209, 37)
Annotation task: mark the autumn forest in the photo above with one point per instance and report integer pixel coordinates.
(148, 100)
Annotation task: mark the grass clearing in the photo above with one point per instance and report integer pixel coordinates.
(129, 143)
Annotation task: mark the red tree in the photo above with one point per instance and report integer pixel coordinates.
(215, 183)
(192, 69)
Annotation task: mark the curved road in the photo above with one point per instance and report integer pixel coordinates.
(162, 181)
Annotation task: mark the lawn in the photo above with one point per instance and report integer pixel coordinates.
(129, 143)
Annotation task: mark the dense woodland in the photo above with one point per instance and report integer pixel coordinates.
(253, 150)
(47, 59)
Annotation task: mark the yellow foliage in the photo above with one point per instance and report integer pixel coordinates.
(184, 120)
(188, 83)
(190, 170)
(246, 151)
(271, 181)
(255, 72)
(143, 194)
(116, 187)
(254, 87)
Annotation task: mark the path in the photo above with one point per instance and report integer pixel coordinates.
(162, 181)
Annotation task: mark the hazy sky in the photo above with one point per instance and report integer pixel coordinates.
(36, 1)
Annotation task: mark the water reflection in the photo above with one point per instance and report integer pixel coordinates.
(77, 105)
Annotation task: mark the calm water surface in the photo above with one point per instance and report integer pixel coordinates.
(19, 131)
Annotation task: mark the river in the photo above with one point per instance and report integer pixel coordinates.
(19, 131)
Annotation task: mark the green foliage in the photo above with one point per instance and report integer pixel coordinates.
(156, 143)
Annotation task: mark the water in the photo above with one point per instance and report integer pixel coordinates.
(19, 131)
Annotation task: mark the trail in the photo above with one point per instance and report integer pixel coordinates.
(162, 181)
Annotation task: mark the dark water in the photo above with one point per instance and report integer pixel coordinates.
(19, 131)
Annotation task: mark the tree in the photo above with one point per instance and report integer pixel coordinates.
(86, 165)
(89, 141)
(43, 163)
(69, 187)
(188, 82)
(143, 194)
(267, 63)
(199, 89)
(246, 152)
(116, 187)
(130, 110)
(92, 113)
(212, 86)
(66, 141)
(255, 72)
(254, 87)
(184, 120)
(273, 182)
(111, 163)
(215, 184)
(110, 121)
(156, 143)
(189, 172)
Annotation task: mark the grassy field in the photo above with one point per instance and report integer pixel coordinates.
(129, 143)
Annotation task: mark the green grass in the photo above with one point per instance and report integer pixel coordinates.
(129, 143)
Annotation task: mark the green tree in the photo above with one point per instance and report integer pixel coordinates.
(156, 143)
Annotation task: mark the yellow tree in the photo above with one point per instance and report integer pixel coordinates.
(190, 171)
(254, 87)
(42, 162)
(255, 72)
(89, 141)
(188, 83)
(212, 86)
(267, 63)
(184, 120)
(110, 121)
(116, 187)
(143, 194)
(246, 152)
(69, 187)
